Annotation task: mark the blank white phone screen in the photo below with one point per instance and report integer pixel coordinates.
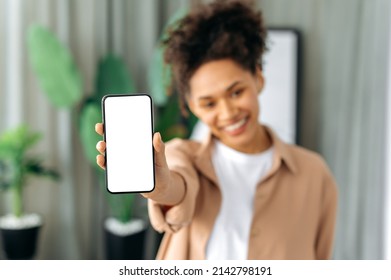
(128, 136)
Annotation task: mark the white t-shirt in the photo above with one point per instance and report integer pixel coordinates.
(238, 174)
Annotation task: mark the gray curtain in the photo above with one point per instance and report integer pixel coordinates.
(342, 106)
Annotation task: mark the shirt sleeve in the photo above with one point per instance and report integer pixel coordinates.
(171, 219)
(325, 239)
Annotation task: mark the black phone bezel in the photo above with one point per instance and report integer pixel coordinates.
(104, 98)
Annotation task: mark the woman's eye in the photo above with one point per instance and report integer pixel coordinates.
(208, 104)
(236, 93)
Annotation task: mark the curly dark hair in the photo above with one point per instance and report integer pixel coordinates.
(222, 29)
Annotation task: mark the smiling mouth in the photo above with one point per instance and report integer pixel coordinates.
(236, 126)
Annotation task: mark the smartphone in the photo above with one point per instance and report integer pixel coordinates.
(128, 132)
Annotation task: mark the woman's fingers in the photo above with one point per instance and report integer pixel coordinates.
(100, 160)
(99, 128)
(101, 147)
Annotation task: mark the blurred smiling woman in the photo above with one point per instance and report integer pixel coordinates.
(242, 193)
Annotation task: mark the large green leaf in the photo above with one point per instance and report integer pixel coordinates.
(113, 77)
(54, 66)
(159, 73)
(191, 121)
(35, 167)
(169, 120)
(89, 116)
(171, 123)
(159, 77)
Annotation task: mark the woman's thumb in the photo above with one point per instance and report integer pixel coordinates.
(158, 144)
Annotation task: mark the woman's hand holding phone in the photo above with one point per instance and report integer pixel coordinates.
(169, 186)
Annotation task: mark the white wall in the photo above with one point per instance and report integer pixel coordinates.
(279, 97)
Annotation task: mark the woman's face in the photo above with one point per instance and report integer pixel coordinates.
(225, 97)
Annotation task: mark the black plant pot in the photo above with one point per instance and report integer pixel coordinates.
(129, 247)
(20, 244)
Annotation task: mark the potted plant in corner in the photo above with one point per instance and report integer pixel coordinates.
(124, 232)
(19, 230)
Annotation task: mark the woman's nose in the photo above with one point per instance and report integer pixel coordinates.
(227, 110)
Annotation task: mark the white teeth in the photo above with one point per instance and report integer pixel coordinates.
(235, 125)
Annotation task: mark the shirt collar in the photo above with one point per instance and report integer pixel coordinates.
(282, 154)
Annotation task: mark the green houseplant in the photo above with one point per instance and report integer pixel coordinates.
(62, 83)
(19, 230)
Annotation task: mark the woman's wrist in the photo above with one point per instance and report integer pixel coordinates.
(171, 193)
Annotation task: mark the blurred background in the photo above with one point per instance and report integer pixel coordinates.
(58, 57)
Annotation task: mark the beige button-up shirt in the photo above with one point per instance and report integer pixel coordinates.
(294, 205)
